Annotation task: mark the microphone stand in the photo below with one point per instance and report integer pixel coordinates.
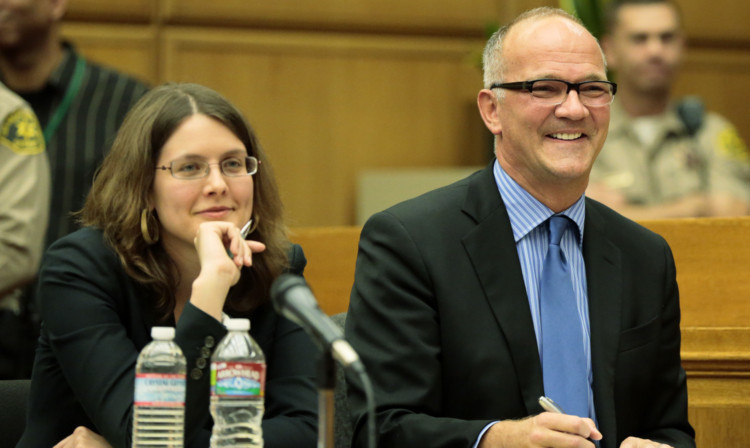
(326, 387)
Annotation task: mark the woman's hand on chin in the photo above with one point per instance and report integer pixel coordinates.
(222, 253)
(83, 437)
(222, 250)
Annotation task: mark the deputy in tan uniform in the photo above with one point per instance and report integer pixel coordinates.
(663, 158)
(24, 207)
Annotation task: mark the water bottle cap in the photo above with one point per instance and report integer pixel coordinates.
(238, 324)
(162, 333)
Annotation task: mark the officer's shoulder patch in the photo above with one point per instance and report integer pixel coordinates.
(731, 145)
(21, 132)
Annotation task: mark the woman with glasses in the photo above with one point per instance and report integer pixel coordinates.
(162, 245)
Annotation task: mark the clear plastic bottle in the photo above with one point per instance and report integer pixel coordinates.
(159, 402)
(238, 380)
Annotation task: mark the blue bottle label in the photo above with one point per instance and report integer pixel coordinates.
(238, 379)
(159, 389)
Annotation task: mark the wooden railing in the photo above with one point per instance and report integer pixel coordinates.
(713, 273)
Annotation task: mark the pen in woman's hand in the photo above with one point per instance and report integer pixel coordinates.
(243, 233)
(246, 229)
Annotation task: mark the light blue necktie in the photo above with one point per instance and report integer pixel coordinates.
(563, 358)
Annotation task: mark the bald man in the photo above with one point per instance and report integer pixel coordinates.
(446, 310)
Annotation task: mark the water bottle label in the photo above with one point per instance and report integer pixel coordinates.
(238, 379)
(159, 389)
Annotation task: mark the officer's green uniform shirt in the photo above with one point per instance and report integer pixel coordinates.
(674, 164)
(24, 196)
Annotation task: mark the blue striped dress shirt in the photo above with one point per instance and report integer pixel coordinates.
(528, 219)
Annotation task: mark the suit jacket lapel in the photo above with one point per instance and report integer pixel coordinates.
(604, 280)
(491, 248)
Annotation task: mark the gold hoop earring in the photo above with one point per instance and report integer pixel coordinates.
(146, 218)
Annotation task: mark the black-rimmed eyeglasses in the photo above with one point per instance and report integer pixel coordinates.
(198, 169)
(555, 91)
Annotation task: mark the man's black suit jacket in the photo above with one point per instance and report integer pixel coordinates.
(439, 315)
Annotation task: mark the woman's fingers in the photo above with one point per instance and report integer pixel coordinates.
(239, 250)
(236, 246)
(83, 437)
(252, 247)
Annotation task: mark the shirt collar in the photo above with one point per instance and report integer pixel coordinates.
(526, 212)
(620, 122)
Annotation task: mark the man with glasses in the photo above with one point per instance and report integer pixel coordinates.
(663, 158)
(472, 302)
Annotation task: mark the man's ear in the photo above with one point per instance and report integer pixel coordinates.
(488, 108)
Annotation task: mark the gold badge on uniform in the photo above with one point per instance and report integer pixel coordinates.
(21, 133)
(731, 145)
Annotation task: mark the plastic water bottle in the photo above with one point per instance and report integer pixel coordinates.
(159, 404)
(238, 380)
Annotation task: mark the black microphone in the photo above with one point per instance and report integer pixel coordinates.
(293, 299)
(691, 111)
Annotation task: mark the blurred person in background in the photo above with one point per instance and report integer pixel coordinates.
(24, 205)
(79, 105)
(663, 157)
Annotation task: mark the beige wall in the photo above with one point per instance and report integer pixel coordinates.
(335, 87)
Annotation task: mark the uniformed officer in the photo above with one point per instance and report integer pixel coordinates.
(663, 158)
(24, 208)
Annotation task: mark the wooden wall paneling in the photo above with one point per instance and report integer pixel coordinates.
(328, 105)
(719, 20)
(130, 49)
(512, 8)
(719, 410)
(717, 351)
(722, 79)
(711, 254)
(461, 17)
(141, 11)
(720, 425)
(331, 257)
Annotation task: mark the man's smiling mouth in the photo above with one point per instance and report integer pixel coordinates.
(566, 136)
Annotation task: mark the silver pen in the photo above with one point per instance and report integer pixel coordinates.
(243, 233)
(549, 405)
(246, 229)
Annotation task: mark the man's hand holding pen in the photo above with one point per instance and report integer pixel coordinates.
(550, 406)
(547, 430)
(631, 442)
